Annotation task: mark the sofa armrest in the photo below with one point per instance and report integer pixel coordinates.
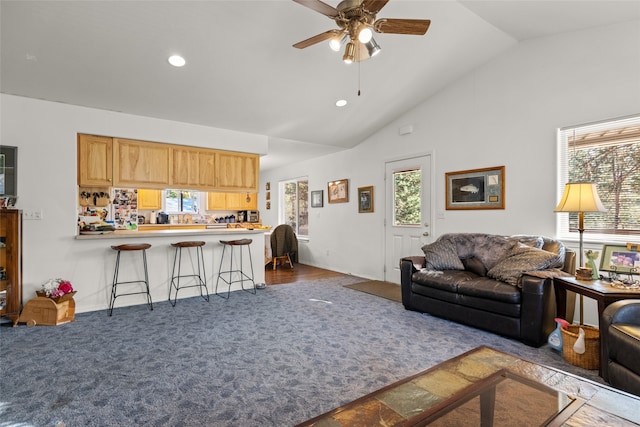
(407, 268)
(625, 311)
(419, 261)
(538, 310)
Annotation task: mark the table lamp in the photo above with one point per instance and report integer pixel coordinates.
(580, 197)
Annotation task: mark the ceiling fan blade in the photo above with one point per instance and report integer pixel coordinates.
(402, 26)
(317, 39)
(319, 6)
(374, 6)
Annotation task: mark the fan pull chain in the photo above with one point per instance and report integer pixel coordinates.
(359, 62)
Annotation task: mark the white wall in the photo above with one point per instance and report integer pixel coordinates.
(45, 134)
(504, 113)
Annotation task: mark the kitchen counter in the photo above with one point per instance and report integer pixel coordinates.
(178, 231)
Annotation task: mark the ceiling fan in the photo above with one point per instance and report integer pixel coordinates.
(356, 20)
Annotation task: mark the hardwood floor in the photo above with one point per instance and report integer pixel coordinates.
(284, 274)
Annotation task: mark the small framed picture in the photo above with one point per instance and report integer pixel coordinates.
(365, 199)
(317, 199)
(338, 191)
(620, 259)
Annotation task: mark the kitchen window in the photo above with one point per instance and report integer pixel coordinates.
(607, 154)
(294, 205)
(181, 201)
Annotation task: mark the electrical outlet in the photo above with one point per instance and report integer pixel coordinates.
(32, 215)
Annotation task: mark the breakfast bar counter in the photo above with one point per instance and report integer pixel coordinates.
(95, 262)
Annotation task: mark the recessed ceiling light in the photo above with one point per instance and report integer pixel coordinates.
(341, 102)
(177, 60)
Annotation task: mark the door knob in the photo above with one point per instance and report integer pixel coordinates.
(426, 233)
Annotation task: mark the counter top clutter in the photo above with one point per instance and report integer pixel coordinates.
(178, 231)
(502, 284)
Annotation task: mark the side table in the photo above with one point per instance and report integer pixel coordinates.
(599, 290)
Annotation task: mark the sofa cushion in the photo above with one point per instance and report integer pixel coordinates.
(521, 259)
(447, 280)
(475, 266)
(490, 289)
(442, 255)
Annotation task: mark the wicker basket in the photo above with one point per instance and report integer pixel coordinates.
(590, 359)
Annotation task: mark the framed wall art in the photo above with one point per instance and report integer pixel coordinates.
(338, 191)
(620, 259)
(365, 199)
(317, 199)
(475, 188)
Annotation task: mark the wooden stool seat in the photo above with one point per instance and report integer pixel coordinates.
(130, 247)
(187, 244)
(239, 242)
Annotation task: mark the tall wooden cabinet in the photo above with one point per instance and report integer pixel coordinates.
(11, 263)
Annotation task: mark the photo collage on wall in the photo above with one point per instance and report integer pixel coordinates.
(125, 208)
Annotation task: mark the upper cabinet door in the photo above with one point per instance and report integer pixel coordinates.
(237, 171)
(95, 161)
(193, 168)
(141, 164)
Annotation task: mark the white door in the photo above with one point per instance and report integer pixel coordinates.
(407, 211)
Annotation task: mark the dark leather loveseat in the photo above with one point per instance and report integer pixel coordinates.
(479, 280)
(620, 335)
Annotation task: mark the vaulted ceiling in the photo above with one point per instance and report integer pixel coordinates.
(242, 72)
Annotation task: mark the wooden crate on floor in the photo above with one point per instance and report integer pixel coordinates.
(45, 311)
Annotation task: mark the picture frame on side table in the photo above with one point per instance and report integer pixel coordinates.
(475, 188)
(365, 199)
(317, 199)
(338, 191)
(620, 259)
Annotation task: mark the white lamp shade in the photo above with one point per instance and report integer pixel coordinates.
(580, 197)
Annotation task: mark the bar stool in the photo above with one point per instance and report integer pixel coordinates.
(128, 248)
(243, 276)
(200, 277)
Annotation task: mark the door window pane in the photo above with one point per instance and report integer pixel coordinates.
(407, 197)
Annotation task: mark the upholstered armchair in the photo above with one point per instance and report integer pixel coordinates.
(620, 335)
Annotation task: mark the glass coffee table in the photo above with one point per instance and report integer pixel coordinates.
(482, 387)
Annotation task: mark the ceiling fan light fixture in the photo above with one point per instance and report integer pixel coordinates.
(349, 53)
(373, 48)
(336, 43)
(365, 35)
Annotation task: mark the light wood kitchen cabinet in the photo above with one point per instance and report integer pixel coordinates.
(150, 200)
(11, 264)
(232, 201)
(95, 160)
(216, 201)
(242, 201)
(141, 164)
(193, 168)
(237, 171)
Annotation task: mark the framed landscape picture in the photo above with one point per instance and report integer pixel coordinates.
(475, 188)
(365, 199)
(338, 191)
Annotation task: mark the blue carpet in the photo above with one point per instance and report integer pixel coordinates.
(276, 358)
